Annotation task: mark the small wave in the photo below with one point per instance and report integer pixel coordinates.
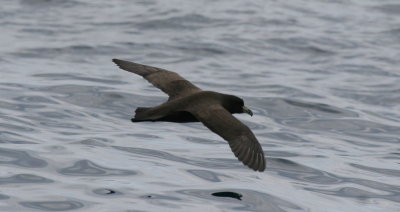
(20, 158)
(24, 178)
(88, 168)
(393, 9)
(53, 205)
(184, 22)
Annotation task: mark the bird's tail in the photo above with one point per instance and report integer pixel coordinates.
(140, 114)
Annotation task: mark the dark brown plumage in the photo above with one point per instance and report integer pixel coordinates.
(188, 103)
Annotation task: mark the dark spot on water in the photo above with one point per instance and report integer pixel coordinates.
(160, 197)
(106, 191)
(233, 195)
(254, 201)
(110, 192)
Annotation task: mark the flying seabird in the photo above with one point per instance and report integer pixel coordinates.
(188, 103)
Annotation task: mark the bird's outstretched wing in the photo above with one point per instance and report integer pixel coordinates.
(169, 82)
(240, 138)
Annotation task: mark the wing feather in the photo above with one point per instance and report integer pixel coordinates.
(240, 138)
(169, 82)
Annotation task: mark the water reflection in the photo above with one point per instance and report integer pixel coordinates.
(250, 200)
(228, 194)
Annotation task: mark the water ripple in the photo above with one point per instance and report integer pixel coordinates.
(14, 138)
(360, 194)
(299, 172)
(207, 175)
(24, 178)
(20, 158)
(64, 77)
(53, 205)
(88, 168)
(292, 170)
(73, 53)
(2, 197)
(19, 106)
(185, 22)
(393, 9)
(206, 163)
(392, 172)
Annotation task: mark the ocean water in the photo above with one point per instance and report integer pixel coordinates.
(322, 78)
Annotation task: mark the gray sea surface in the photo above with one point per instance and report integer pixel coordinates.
(321, 76)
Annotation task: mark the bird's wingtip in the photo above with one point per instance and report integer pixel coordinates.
(118, 62)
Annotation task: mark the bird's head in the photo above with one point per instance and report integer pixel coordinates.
(235, 104)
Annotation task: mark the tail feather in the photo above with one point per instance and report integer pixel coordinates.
(140, 114)
(141, 110)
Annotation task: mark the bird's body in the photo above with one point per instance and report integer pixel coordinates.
(180, 106)
(188, 103)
